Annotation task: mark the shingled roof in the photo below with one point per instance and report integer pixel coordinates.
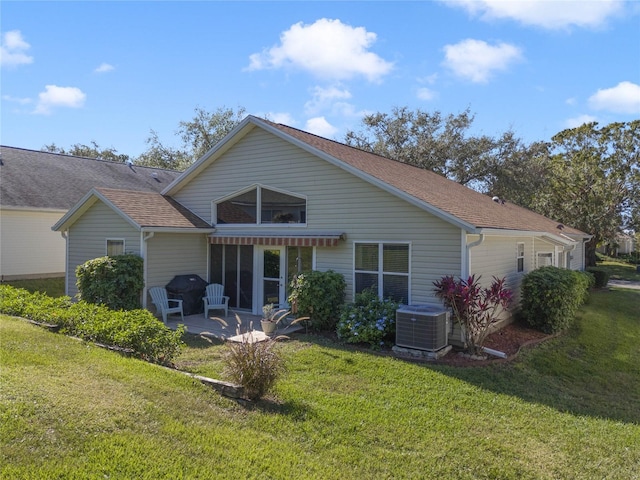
(150, 209)
(43, 180)
(469, 206)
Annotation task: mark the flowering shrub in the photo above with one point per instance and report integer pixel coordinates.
(476, 308)
(368, 320)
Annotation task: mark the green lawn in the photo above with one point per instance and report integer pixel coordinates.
(54, 287)
(567, 409)
(620, 271)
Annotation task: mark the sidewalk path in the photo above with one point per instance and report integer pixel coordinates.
(625, 284)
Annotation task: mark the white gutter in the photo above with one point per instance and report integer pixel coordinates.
(467, 264)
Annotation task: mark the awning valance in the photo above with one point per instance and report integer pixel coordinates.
(328, 240)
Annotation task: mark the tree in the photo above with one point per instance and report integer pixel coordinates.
(434, 142)
(593, 180)
(89, 151)
(198, 136)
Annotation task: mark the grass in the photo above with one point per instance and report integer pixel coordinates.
(620, 271)
(54, 287)
(567, 409)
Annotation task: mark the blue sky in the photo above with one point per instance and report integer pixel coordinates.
(110, 72)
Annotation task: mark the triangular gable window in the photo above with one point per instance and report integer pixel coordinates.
(261, 205)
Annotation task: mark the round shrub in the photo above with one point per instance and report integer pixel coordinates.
(112, 281)
(368, 320)
(601, 276)
(551, 297)
(319, 296)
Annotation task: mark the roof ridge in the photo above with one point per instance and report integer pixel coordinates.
(79, 157)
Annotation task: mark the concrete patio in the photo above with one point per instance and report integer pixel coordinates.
(214, 326)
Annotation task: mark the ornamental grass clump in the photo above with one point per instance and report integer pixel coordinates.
(368, 320)
(477, 309)
(253, 363)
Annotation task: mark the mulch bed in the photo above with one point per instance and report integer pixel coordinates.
(509, 340)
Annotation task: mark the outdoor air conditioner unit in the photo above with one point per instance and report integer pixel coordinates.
(422, 327)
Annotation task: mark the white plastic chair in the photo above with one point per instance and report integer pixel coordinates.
(215, 299)
(163, 302)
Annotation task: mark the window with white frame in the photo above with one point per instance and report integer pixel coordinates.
(520, 257)
(544, 259)
(261, 205)
(115, 246)
(383, 268)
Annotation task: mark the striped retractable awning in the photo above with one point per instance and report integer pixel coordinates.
(322, 240)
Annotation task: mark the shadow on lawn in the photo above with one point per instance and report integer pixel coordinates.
(572, 395)
(532, 377)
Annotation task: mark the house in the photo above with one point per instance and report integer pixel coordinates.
(624, 244)
(37, 188)
(270, 200)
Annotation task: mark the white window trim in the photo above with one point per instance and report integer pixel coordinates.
(258, 223)
(380, 272)
(545, 253)
(106, 244)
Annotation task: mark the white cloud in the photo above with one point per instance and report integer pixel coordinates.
(280, 117)
(623, 98)
(320, 126)
(54, 96)
(326, 49)
(21, 101)
(104, 68)
(476, 60)
(579, 121)
(425, 93)
(544, 13)
(13, 50)
(325, 98)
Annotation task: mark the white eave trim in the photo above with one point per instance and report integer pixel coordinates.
(560, 239)
(33, 209)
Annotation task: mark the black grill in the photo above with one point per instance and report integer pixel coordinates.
(190, 289)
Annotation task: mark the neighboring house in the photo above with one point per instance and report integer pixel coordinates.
(37, 188)
(270, 200)
(624, 245)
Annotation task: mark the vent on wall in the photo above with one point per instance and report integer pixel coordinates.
(422, 327)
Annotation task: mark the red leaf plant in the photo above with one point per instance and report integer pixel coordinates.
(476, 308)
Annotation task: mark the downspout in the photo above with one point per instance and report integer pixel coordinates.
(471, 245)
(66, 261)
(568, 251)
(143, 250)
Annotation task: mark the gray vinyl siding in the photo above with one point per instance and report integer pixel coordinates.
(87, 238)
(497, 256)
(171, 254)
(336, 201)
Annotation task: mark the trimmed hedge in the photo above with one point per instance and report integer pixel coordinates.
(319, 296)
(551, 297)
(112, 281)
(135, 330)
(601, 275)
